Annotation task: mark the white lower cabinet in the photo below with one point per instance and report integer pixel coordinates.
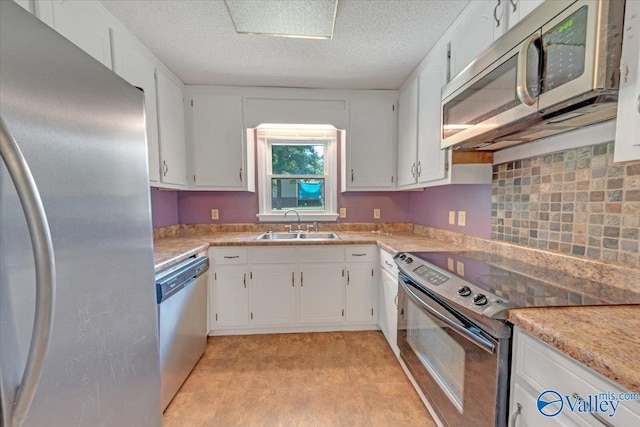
(280, 289)
(574, 394)
(388, 300)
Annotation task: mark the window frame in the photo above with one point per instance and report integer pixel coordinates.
(265, 140)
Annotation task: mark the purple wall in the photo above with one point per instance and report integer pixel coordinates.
(164, 207)
(431, 207)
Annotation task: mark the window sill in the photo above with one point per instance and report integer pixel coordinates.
(304, 217)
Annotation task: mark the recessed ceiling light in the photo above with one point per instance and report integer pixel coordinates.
(313, 19)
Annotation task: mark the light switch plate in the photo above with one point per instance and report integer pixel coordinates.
(376, 214)
(452, 217)
(215, 214)
(460, 268)
(450, 264)
(343, 212)
(462, 218)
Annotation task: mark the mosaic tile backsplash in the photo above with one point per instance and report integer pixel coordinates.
(576, 201)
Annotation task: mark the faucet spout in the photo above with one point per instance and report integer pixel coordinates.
(297, 213)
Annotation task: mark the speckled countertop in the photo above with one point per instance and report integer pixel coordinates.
(602, 338)
(595, 336)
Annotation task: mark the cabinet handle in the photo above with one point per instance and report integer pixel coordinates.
(598, 417)
(395, 300)
(388, 263)
(512, 421)
(638, 103)
(244, 280)
(165, 168)
(348, 278)
(351, 175)
(231, 257)
(413, 169)
(293, 275)
(301, 278)
(419, 169)
(514, 3)
(240, 174)
(495, 14)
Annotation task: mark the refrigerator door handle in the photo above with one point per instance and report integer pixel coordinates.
(44, 267)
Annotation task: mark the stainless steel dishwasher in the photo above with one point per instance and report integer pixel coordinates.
(182, 317)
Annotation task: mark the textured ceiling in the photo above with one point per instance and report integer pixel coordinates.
(376, 44)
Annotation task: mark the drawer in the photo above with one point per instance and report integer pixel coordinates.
(222, 256)
(321, 253)
(361, 253)
(387, 263)
(542, 367)
(272, 255)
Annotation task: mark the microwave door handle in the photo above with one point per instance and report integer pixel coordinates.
(477, 339)
(521, 75)
(38, 226)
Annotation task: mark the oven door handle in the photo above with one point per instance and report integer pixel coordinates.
(477, 339)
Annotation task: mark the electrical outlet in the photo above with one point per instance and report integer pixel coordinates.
(343, 212)
(376, 214)
(452, 217)
(462, 218)
(214, 214)
(450, 264)
(460, 268)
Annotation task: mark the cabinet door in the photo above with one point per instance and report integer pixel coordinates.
(172, 137)
(432, 160)
(230, 298)
(627, 146)
(481, 23)
(85, 25)
(407, 134)
(371, 146)
(321, 293)
(360, 293)
(140, 72)
(389, 309)
(218, 141)
(273, 294)
(518, 9)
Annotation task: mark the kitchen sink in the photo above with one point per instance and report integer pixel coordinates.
(298, 236)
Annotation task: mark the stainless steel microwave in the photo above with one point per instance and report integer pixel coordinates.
(556, 70)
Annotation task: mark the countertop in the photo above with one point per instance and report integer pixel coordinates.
(602, 338)
(595, 336)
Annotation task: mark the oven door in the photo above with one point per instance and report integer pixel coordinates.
(462, 371)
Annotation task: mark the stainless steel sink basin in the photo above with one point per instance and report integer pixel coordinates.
(277, 236)
(297, 236)
(318, 236)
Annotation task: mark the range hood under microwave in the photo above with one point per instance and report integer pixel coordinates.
(556, 70)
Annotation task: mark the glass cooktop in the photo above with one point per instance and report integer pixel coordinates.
(526, 285)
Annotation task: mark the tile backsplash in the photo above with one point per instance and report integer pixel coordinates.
(576, 201)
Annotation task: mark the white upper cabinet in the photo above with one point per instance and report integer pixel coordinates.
(627, 145)
(518, 9)
(171, 131)
(221, 157)
(83, 23)
(433, 162)
(407, 134)
(135, 68)
(370, 148)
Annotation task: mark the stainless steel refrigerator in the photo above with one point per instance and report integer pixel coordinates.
(75, 232)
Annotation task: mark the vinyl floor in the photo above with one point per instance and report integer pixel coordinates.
(309, 380)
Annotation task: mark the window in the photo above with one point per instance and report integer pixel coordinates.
(297, 170)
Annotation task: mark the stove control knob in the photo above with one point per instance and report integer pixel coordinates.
(409, 260)
(479, 299)
(464, 291)
(403, 256)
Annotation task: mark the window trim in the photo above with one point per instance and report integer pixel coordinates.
(265, 211)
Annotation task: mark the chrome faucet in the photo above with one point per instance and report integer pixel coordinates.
(298, 214)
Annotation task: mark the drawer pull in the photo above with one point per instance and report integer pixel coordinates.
(388, 263)
(395, 300)
(514, 417)
(358, 254)
(231, 257)
(598, 417)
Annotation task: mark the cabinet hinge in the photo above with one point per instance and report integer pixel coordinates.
(393, 107)
(216, 317)
(252, 315)
(372, 311)
(192, 102)
(251, 275)
(215, 276)
(448, 71)
(446, 166)
(392, 179)
(372, 272)
(194, 178)
(343, 312)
